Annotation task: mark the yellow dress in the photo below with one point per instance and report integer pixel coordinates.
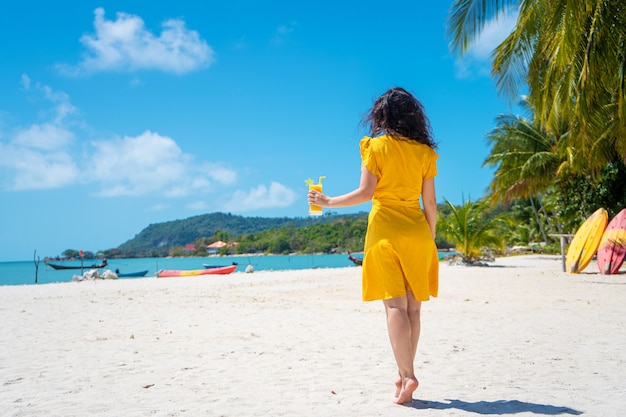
(400, 253)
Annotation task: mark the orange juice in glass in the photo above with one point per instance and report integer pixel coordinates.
(315, 210)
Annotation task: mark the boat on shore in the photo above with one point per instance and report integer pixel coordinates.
(355, 259)
(131, 274)
(64, 267)
(209, 266)
(174, 273)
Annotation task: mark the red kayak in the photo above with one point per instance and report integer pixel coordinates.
(612, 248)
(173, 273)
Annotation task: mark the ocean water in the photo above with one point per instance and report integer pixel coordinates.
(24, 272)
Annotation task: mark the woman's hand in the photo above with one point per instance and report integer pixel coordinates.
(364, 193)
(318, 199)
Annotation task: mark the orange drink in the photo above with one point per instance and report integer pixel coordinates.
(313, 209)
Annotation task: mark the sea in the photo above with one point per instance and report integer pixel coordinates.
(27, 273)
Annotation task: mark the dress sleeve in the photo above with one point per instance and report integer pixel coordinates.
(430, 169)
(367, 156)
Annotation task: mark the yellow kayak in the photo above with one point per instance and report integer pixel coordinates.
(586, 241)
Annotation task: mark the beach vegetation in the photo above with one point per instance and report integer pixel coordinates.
(473, 231)
(157, 239)
(223, 251)
(526, 162)
(579, 196)
(513, 224)
(200, 246)
(570, 60)
(77, 254)
(340, 236)
(177, 251)
(531, 220)
(531, 167)
(71, 253)
(525, 158)
(566, 155)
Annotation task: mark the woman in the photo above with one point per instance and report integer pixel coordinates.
(400, 264)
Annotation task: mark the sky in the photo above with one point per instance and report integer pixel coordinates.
(115, 115)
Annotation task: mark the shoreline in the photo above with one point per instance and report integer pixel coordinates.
(518, 337)
(251, 255)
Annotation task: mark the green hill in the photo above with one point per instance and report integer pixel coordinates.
(160, 237)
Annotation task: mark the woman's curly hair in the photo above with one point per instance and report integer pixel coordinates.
(400, 115)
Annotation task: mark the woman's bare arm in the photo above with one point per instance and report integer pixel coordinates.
(429, 200)
(360, 195)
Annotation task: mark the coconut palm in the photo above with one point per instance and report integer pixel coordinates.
(526, 161)
(469, 229)
(571, 56)
(525, 157)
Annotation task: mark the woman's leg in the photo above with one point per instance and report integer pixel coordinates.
(400, 327)
(414, 309)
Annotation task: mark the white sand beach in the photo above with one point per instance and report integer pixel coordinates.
(519, 338)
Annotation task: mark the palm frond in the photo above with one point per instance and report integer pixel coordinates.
(467, 18)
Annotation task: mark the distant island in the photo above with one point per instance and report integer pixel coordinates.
(228, 234)
(277, 235)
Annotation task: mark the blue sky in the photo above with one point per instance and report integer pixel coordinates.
(115, 115)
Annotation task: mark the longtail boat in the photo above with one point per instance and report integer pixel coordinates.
(355, 259)
(94, 266)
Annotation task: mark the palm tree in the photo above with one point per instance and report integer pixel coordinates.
(527, 162)
(469, 229)
(571, 56)
(525, 157)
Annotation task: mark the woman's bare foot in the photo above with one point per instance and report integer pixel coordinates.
(406, 393)
(398, 386)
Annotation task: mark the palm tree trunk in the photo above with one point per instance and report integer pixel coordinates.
(538, 219)
(542, 209)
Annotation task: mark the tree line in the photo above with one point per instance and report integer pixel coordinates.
(473, 228)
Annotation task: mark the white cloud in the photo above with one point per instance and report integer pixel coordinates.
(477, 60)
(151, 163)
(137, 165)
(49, 155)
(31, 169)
(124, 44)
(219, 173)
(198, 206)
(25, 82)
(38, 156)
(63, 107)
(282, 33)
(261, 197)
(493, 34)
(45, 137)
